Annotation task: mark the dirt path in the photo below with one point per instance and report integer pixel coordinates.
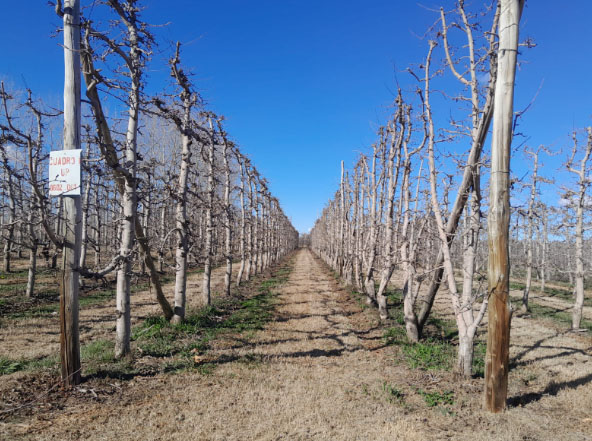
(319, 371)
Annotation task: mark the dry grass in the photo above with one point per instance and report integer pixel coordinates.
(321, 371)
(35, 336)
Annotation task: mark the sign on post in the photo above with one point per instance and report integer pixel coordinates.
(64, 173)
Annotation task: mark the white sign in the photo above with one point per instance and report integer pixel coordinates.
(64, 173)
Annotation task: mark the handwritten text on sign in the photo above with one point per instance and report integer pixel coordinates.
(64, 173)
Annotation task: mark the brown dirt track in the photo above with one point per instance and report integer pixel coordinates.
(319, 370)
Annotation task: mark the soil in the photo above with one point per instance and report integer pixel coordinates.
(38, 336)
(320, 371)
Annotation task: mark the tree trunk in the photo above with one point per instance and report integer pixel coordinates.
(464, 361)
(530, 231)
(98, 227)
(10, 229)
(250, 231)
(188, 98)
(227, 214)
(544, 246)
(369, 287)
(85, 210)
(579, 251)
(33, 247)
(130, 222)
(32, 270)
(209, 219)
(162, 235)
(392, 173)
(242, 222)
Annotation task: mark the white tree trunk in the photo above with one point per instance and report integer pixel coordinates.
(227, 216)
(242, 222)
(10, 228)
(181, 221)
(85, 210)
(207, 297)
(530, 230)
(583, 183)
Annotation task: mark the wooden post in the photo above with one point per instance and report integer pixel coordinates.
(498, 335)
(72, 231)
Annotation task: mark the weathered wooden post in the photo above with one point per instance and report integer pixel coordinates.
(498, 335)
(72, 226)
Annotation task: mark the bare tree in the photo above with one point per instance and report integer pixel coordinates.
(481, 114)
(397, 128)
(137, 36)
(462, 305)
(582, 174)
(243, 180)
(226, 151)
(183, 122)
(532, 216)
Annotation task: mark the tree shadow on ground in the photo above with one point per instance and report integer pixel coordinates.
(552, 389)
(519, 359)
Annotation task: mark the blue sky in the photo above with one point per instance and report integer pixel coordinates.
(305, 84)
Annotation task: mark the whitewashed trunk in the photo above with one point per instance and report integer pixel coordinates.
(583, 182)
(8, 241)
(227, 220)
(85, 209)
(32, 249)
(544, 245)
(579, 276)
(206, 293)
(250, 231)
(129, 212)
(242, 224)
(530, 232)
(369, 287)
(181, 218)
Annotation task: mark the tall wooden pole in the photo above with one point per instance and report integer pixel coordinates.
(498, 335)
(72, 225)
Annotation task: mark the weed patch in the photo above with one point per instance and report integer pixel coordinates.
(437, 351)
(395, 335)
(10, 366)
(429, 355)
(393, 394)
(436, 398)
